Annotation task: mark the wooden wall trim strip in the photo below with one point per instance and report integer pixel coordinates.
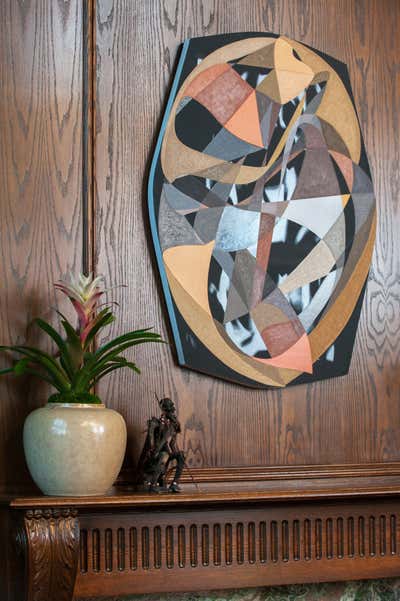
(260, 473)
(245, 474)
(88, 133)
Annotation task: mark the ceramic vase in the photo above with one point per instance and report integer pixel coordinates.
(74, 449)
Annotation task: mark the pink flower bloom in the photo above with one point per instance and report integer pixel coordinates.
(84, 294)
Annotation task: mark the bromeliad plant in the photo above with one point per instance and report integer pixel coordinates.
(77, 367)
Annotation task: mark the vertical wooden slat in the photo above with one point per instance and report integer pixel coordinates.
(157, 546)
(181, 546)
(205, 544)
(83, 551)
(251, 543)
(285, 542)
(274, 541)
(351, 536)
(133, 548)
(121, 547)
(393, 534)
(228, 544)
(194, 545)
(96, 550)
(239, 543)
(217, 544)
(263, 549)
(296, 540)
(340, 538)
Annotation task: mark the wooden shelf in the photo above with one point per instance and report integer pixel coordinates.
(129, 499)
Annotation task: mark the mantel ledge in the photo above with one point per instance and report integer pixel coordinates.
(122, 498)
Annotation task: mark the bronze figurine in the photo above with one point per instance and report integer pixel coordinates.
(160, 450)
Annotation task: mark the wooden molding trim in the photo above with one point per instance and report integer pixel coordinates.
(238, 474)
(266, 473)
(202, 548)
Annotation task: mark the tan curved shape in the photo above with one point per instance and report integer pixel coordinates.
(189, 266)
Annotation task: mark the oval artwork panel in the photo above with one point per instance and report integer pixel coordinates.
(262, 210)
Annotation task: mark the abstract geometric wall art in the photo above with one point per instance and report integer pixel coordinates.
(262, 210)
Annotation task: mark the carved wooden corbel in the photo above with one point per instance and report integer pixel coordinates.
(49, 541)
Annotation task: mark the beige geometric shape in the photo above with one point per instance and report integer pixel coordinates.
(289, 77)
(316, 214)
(190, 266)
(286, 61)
(292, 84)
(317, 264)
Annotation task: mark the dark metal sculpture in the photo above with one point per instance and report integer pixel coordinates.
(160, 450)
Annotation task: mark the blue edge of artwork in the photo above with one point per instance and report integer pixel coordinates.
(153, 222)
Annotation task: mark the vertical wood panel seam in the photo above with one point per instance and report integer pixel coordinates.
(88, 134)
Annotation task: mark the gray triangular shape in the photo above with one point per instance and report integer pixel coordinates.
(173, 228)
(235, 306)
(178, 200)
(228, 147)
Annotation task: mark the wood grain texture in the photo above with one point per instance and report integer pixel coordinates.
(40, 187)
(352, 419)
(230, 547)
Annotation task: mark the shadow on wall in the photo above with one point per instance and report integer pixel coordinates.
(370, 590)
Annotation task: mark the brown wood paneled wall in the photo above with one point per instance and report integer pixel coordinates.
(50, 222)
(40, 186)
(353, 419)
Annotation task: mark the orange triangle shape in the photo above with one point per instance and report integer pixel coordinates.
(297, 357)
(245, 122)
